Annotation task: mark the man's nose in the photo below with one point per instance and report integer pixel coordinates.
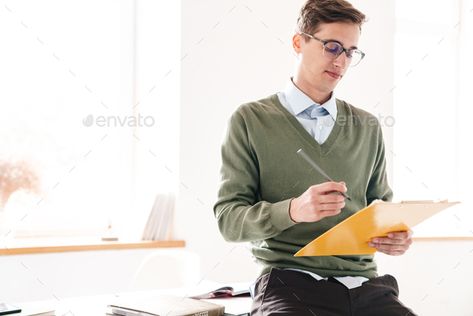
(341, 61)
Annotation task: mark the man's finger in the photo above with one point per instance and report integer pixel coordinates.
(388, 241)
(400, 235)
(389, 248)
(324, 214)
(328, 187)
(394, 253)
(331, 207)
(331, 198)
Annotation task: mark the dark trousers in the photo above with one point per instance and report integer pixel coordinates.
(286, 292)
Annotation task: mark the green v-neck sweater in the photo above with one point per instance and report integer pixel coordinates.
(261, 173)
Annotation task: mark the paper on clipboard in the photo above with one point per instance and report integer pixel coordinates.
(351, 236)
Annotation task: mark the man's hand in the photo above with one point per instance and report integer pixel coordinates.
(395, 244)
(318, 202)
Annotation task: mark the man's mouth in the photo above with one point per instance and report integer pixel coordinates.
(334, 75)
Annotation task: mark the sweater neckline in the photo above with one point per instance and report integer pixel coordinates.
(329, 143)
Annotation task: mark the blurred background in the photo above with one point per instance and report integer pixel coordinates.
(107, 104)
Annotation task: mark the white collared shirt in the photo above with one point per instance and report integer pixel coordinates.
(296, 102)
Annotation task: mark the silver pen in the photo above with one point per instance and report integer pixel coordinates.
(313, 164)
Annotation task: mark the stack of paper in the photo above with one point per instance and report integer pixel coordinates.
(166, 306)
(35, 309)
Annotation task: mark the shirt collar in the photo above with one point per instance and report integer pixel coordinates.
(298, 101)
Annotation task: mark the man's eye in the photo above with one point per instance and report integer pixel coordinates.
(333, 48)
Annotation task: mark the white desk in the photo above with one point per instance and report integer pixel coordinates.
(97, 305)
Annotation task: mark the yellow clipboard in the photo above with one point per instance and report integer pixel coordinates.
(351, 236)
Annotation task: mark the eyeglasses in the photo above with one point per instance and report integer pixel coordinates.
(334, 49)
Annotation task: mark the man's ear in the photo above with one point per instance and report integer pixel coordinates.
(296, 42)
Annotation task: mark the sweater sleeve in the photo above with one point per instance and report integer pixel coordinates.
(240, 212)
(378, 187)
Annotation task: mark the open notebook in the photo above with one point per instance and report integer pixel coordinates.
(351, 236)
(227, 291)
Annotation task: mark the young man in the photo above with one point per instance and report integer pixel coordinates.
(268, 196)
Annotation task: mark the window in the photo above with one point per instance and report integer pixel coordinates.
(431, 156)
(90, 100)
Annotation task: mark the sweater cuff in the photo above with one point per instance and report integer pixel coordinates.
(279, 215)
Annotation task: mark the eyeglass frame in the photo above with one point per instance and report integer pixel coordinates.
(348, 51)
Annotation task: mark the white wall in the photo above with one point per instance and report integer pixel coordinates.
(238, 52)
(56, 276)
(434, 277)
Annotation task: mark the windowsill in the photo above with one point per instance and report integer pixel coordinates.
(53, 245)
(24, 246)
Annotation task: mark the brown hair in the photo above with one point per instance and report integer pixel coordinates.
(315, 12)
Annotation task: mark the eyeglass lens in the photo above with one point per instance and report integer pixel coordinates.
(336, 50)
